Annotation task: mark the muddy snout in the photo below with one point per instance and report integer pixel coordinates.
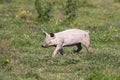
(43, 46)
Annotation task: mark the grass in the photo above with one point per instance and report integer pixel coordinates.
(22, 58)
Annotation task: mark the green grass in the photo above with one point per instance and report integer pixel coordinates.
(22, 58)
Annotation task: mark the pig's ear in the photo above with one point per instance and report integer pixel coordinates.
(52, 35)
(46, 34)
(44, 31)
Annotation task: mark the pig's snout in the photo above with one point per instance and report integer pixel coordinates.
(44, 46)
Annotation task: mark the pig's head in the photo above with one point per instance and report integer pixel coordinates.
(48, 40)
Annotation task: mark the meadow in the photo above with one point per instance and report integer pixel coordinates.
(22, 57)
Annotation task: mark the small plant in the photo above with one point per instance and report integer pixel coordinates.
(70, 10)
(7, 1)
(43, 10)
(4, 60)
(1, 25)
(116, 0)
(1, 1)
(23, 14)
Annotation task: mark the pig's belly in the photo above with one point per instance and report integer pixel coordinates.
(71, 41)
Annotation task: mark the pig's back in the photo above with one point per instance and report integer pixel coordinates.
(71, 36)
(70, 32)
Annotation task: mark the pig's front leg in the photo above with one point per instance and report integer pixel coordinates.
(58, 48)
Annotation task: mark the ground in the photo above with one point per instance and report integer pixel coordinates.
(22, 57)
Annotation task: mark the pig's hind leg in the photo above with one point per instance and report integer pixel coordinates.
(79, 48)
(61, 51)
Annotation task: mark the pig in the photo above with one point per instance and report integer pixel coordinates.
(69, 37)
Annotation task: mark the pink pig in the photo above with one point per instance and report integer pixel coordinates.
(65, 38)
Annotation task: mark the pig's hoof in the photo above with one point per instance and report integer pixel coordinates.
(43, 46)
(76, 51)
(61, 53)
(53, 56)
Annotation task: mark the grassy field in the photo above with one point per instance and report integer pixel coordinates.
(22, 58)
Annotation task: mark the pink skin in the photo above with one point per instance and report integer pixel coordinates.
(68, 37)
